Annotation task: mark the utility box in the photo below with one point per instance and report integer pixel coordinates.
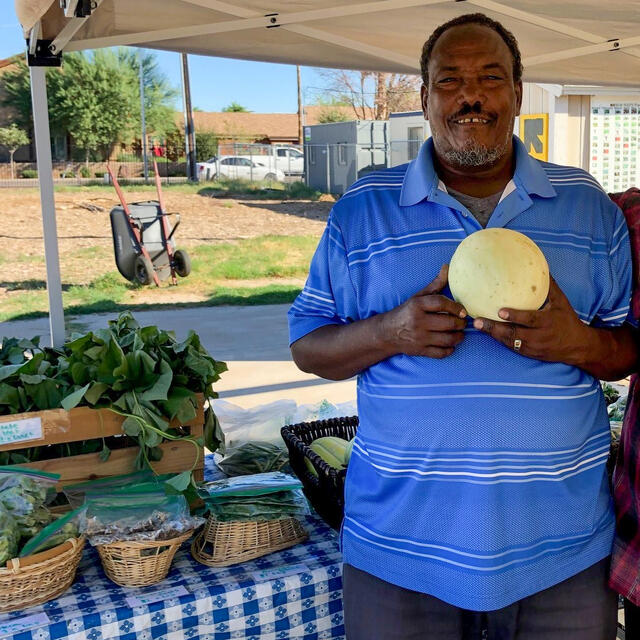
(338, 153)
(407, 131)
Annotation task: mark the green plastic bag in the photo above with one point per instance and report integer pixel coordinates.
(59, 531)
(9, 536)
(131, 483)
(260, 508)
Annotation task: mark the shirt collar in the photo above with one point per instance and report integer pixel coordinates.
(421, 180)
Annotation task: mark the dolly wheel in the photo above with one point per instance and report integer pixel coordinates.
(144, 270)
(182, 263)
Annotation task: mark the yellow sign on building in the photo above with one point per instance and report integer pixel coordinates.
(534, 132)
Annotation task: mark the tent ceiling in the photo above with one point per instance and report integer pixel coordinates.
(569, 42)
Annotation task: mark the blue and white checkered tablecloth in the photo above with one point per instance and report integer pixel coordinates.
(221, 604)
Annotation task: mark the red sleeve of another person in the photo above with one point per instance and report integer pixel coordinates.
(625, 564)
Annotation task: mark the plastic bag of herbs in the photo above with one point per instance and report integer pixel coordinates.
(258, 497)
(55, 533)
(142, 515)
(9, 536)
(24, 494)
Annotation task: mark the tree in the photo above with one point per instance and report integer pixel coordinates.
(159, 95)
(95, 98)
(13, 138)
(373, 94)
(206, 145)
(235, 107)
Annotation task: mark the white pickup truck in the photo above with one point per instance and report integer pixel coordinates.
(289, 159)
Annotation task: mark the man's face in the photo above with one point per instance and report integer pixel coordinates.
(471, 100)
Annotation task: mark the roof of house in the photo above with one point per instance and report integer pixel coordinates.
(259, 125)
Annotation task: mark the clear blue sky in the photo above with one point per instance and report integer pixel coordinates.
(215, 82)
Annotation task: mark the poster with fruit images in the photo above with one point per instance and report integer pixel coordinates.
(615, 127)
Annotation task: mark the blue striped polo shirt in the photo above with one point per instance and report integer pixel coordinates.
(478, 478)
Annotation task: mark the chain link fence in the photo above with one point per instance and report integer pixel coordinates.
(329, 168)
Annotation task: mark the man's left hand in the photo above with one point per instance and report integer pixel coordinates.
(553, 334)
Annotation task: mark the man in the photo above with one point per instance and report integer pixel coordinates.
(476, 496)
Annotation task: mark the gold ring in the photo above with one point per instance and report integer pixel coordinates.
(517, 343)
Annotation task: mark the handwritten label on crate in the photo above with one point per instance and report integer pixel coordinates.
(20, 430)
(279, 572)
(18, 625)
(156, 596)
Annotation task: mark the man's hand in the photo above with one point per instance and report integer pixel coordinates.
(553, 334)
(427, 324)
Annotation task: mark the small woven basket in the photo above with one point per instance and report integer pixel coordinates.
(221, 544)
(139, 563)
(23, 587)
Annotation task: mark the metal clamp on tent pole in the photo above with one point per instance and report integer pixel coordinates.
(39, 54)
(615, 44)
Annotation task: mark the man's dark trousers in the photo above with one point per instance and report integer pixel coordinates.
(580, 608)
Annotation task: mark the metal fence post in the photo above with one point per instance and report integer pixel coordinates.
(327, 151)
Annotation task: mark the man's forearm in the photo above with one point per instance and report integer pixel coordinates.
(609, 354)
(338, 352)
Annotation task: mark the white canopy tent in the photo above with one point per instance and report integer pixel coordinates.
(587, 42)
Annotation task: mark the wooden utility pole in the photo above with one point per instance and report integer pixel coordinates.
(300, 114)
(190, 133)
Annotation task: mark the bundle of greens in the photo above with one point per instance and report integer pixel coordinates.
(259, 497)
(141, 373)
(254, 457)
(9, 536)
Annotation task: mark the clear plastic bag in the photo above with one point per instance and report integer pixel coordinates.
(24, 493)
(260, 508)
(147, 516)
(254, 457)
(9, 536)
(252, 485)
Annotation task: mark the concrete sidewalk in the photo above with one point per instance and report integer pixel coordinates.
(253, 341)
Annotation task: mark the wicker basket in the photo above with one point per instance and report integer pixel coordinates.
(139, 564)
(22, 587)
(221, 544)
(326, 491)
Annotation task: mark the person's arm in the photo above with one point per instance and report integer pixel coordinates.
(556, 334)
(427, 324)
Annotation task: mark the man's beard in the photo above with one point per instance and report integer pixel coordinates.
(473, 154)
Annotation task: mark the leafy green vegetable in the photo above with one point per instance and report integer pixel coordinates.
(141, 373)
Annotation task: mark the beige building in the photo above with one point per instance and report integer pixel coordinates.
(594, 128)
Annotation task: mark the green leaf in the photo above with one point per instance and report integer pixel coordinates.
(74, 398)
(79, 372)
(132, 427)
(155, 454)
(95, 391)
(179, 404)
(9, 396)
(46, 394)
(152, 438)
(181, 481)
(161, 386)
(104, 454)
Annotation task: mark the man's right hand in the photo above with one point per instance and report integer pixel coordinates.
(427, 324)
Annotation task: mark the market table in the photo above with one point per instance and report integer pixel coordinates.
(295, 593)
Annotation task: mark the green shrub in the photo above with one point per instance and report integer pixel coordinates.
(69, 173)
(85, 172)
(301, 191)
(99, 174)
(29, 173)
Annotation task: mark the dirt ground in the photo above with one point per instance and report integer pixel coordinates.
(83, 224)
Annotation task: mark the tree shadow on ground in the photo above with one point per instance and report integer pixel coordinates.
(307, 210)
(29, 285)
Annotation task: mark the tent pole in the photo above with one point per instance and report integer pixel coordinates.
(47, 202)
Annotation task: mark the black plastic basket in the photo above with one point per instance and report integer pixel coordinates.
(326, 491)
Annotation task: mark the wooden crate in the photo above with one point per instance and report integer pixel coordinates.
(83, 423)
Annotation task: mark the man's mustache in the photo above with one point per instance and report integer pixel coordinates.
(475, 110)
